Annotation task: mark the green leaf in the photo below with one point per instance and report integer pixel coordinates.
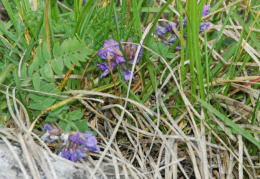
(69, 45)
(76, 115)
(6, 72)
(34, 97)
(68, 63)
(55, 67)
(24, 71)
(74, 60)
(48, 102)
(35, 64)
(86, 52)
(45, 52)
(80, 57)
(163, 49)
(63, 125)
(51, 119)
(42, 72)
(60, 63)
(76, 44)
(64, 47)
(26, 82)
(59, 110)
(30, 70)
(36, 81)
(153, 45)
(41, 102)
(82, 125)
(36, 106)
(38, 57)
(170, 55)
(48, 70)
(56, 49)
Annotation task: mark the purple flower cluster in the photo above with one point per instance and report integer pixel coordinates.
(169, 37)
(75, 148)
(112, 50)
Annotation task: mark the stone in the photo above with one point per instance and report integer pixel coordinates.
(9, 168)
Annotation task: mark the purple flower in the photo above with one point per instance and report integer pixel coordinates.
(127, 74)
(47, 127)
(178, 47)
(91, 144)
(184, 22)
(64, 153)
(105, 73)
(171, 38)
(117, 58)
(75, 149)
(105, 67)
(169, 26)
(75, 138)
(161, 30)
(205, 10)
(86, 139)
(132, 55)
(80, 152)
(69, 154)
(103, 53)
(204, 26)
(72, 156)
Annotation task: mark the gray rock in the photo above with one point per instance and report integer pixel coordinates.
(9, 168)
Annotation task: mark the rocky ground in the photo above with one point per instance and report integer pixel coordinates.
(10, 168)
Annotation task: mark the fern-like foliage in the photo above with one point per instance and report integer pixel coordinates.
(71, 51)
(45, 65)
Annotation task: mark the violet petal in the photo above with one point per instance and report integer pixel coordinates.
(47, 127)
(205, 10)
(185, 22)
(161, 30)
(119, 59)
(75, 138)
(105, 73)
(91, 141)
(204, 26)
(169, 26)
(127, 74)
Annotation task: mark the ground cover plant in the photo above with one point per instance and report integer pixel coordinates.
(156, 89)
